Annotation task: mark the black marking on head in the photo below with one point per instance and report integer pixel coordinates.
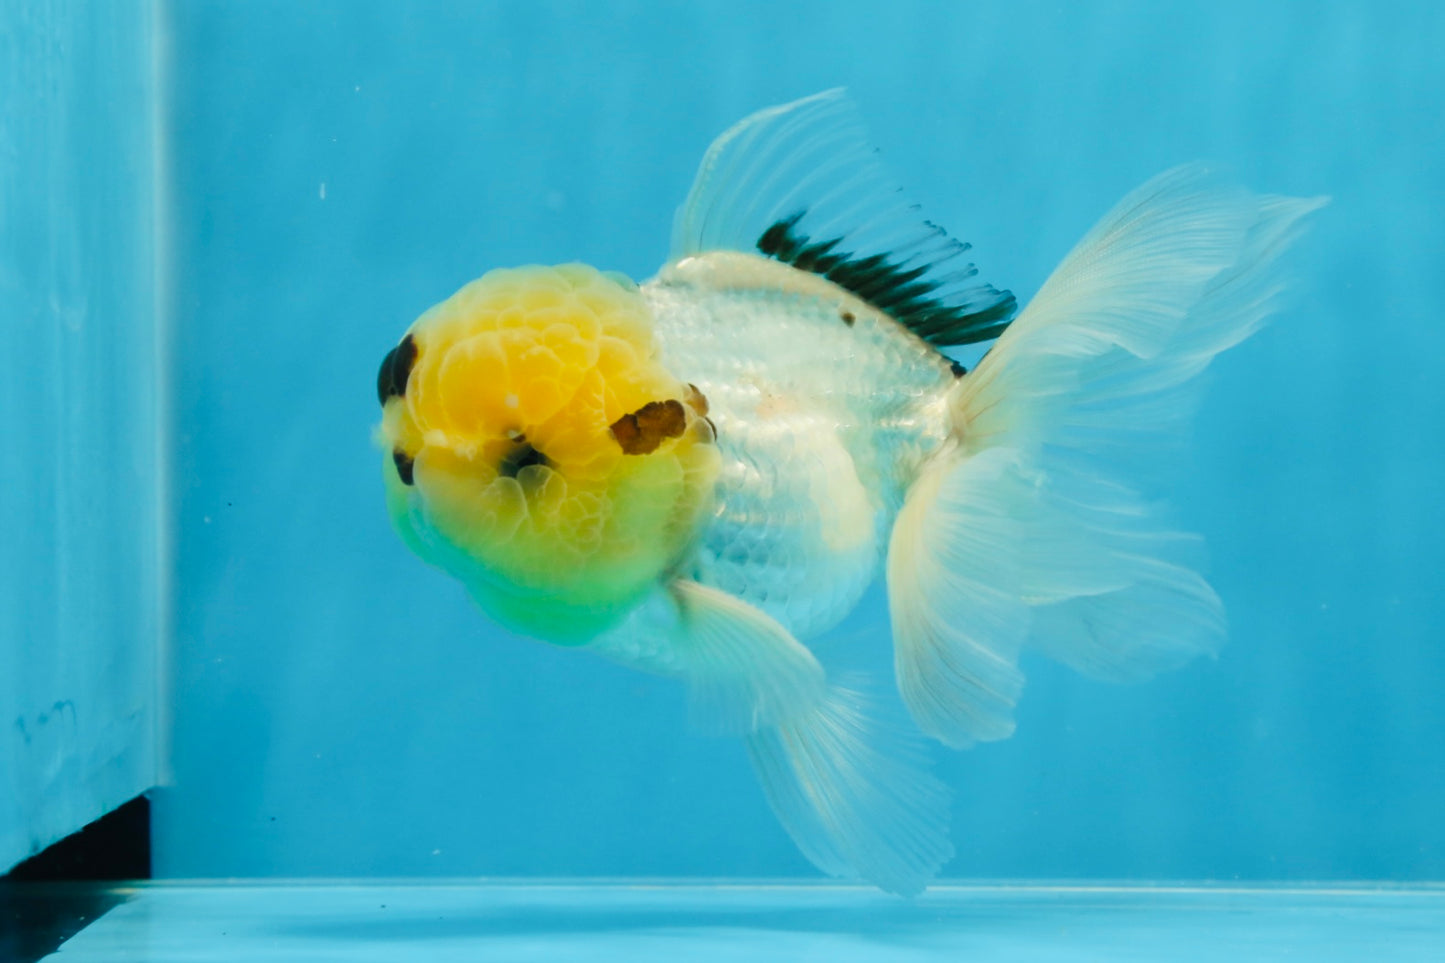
(848, 318)
(522, 456)
(395, 370)
(902, 291)
(958, 370)
(404, 464)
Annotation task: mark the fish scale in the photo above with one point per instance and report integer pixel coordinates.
(822, 425)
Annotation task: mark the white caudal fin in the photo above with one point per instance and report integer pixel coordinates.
(853, 792)
(955, 595)
(1028, 528)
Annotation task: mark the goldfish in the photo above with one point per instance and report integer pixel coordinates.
(699, 475)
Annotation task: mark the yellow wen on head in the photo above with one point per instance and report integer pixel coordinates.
(555, 465)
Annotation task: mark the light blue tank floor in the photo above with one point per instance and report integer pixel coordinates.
(360, 923)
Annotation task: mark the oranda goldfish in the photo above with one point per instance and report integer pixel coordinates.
(697, 475)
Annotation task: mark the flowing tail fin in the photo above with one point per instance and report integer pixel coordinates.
(1025, 529)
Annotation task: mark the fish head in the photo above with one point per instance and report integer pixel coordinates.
(538, 449)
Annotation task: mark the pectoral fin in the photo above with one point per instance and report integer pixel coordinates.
(853, 791)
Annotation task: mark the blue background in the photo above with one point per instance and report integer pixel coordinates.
(338, 167)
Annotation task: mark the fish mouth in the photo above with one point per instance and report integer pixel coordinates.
(524, 455)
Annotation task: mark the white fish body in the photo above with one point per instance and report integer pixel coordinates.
(822, 424)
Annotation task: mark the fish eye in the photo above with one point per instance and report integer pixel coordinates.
(395, 369)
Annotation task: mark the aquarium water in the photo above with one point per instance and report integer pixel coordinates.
(217, 216)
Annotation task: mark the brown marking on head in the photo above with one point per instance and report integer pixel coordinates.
(848, 318)
(640, 432)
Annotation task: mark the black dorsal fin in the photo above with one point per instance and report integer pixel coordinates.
(801, 184)
(903, 289)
